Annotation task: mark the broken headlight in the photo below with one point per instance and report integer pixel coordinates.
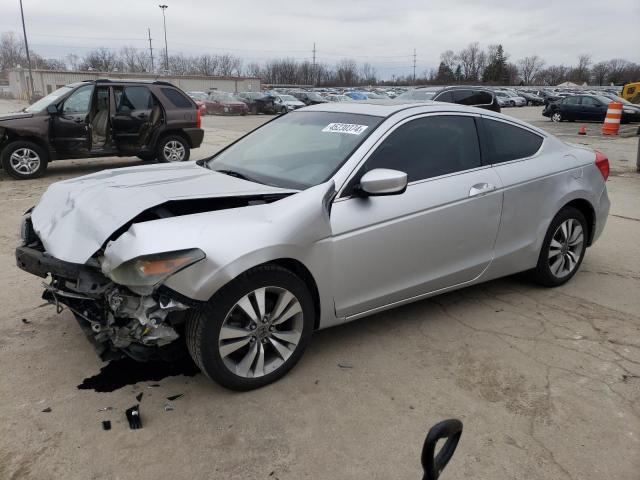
(150, 270)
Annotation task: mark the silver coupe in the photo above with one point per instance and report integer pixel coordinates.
(321, 216)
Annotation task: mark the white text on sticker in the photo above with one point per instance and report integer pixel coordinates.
(350, 128)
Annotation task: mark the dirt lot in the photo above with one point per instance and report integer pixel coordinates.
(547, 382)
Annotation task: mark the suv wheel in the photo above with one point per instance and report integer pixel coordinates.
(556, 117)
(563, 248)
(23, 160)
(173, 148)
(254, 330)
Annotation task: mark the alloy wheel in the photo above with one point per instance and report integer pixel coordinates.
(556, 117)
(25, 161)
(565, 248)
(174, 151)
(260, 332)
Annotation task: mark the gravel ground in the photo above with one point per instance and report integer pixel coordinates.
(547, 382)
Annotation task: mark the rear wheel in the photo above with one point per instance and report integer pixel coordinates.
(255, 329)
(556, 117)
(173, 148)
(563, 248)
(23, 160)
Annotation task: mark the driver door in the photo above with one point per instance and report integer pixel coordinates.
(440, 232)
(70, 126)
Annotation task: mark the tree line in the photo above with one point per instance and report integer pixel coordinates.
(471, 65)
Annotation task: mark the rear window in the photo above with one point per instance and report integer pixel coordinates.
(508, 142)
(177, 98)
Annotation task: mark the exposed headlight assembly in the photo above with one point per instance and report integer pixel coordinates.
(150, 270)
(628, 110)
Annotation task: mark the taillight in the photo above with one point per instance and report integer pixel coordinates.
(198, 118)
(602, 163)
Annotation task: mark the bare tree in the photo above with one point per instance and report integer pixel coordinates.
(347, 72)
(11, 51)
(368, 74)
(73, 61)
(529, 68)
(554, 74)
(449, 59)
(469, 61)
(253, 69)
(100, 59)
(617, 67)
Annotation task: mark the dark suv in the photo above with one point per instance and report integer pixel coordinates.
(97, 119)
(463, 95)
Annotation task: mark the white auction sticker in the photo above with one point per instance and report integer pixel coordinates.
(350, 128)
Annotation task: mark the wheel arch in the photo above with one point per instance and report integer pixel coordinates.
(11, 136)
(306, 276)
(585, 207)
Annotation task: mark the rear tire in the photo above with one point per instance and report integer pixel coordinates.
(173, 149)
(563, 248)
(255, 349)
(23, 160)
(556, 117)
(283, 110)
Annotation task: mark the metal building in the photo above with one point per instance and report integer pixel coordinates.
(46, 81)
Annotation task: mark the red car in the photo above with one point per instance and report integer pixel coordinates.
(224, 103)
(201, 99)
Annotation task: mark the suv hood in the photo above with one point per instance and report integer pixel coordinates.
(15, 116)
(74, 218)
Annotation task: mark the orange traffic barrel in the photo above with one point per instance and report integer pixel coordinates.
(612, 120)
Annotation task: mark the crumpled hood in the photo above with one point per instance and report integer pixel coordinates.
(14, 116)
(75, 217)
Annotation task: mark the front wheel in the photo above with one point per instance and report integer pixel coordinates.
(563, 248)
(283, 110)
(173, 148)
(255, 329)
(23, 160)
(556, 117)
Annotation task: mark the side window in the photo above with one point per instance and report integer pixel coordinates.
(444, 97)
(508, 142)
(176, 98)
(79, 101)
(472, 97)
(134, 98)
(590, 102)
(429, 147)
(571, 101)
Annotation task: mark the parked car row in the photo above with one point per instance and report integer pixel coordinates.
(589, 107)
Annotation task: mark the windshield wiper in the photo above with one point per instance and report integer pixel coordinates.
(233, 173)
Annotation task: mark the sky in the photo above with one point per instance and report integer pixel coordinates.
(383, 33)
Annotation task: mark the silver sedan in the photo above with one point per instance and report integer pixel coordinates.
(320, 217)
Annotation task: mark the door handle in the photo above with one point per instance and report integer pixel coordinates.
(78, 120)
(481, 189)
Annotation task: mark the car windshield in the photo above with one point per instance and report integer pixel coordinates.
(297, 150)
(223, 96)
(198, 96)
(314, 96)
(289, 98)
(417, 95)
(48, 100)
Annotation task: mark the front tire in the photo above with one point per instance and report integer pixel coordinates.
(23, 160)
(254, 330)
(172, 149)
(283, 110)
(556, 117)
(563, 248)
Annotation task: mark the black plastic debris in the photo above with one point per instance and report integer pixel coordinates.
(106, 425)
(133, 416)
(24, 320)
(47, 410)
(345, 365)
(139, 396)
(175, 397)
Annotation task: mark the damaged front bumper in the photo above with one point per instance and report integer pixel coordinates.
(116, 320)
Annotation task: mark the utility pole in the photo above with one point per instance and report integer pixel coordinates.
(151, 50)
(26, 47)
(166, 49)
(414, 66)
(313, 69)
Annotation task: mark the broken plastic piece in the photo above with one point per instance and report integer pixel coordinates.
(175, 397)
(47, 410)
(106, 425)
(105, 409)
(345, 365)
(169, 407)
(24, 320)
(139, 396)
(133, 416)
(153, 385)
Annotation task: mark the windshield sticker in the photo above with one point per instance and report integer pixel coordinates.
(350, 128)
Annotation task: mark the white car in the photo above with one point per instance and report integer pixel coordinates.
(287, 103)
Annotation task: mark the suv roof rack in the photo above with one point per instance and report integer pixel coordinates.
(152, 82)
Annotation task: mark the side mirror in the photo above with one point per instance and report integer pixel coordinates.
(52, 109)
(383, 181)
